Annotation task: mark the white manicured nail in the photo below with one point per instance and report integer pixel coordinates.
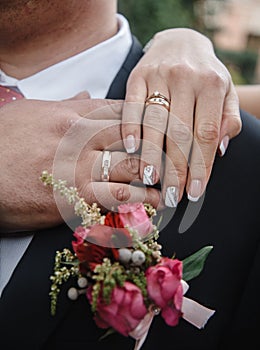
(195, 190)
(223, 145)
(172, 197)
(148, 175)
(130, 144)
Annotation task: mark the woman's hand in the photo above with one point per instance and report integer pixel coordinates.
(204, 114)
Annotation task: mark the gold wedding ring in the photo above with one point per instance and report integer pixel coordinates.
(106, 162)
(158, 99)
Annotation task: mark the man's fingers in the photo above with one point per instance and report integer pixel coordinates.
(121, 167)
(80, 141)
(111, 194)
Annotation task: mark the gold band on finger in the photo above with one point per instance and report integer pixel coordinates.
(106, 162)
(158, 99)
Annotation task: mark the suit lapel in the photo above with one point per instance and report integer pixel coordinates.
(117, 89)
(25, 304)
(25, 301)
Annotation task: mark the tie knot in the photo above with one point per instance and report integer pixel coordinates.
(8, 95)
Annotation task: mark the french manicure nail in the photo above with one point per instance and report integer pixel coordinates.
(195, 190)
(130, 144)
(223, 145)
(172, 197)
(148, 175)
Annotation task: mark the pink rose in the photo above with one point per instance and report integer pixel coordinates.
(134, 215)
(125, 310)
(165, 289)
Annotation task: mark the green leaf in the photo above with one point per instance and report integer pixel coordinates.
(193, 264)
(107, 333)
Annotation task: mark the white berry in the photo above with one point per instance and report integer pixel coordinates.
(73, 293)
(124, 255)
(82, 282)
(138, 257)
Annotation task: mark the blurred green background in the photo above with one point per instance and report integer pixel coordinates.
(146, 17)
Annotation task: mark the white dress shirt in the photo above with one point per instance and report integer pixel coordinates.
(92, 70)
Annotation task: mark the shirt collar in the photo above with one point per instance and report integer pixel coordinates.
(92, 70)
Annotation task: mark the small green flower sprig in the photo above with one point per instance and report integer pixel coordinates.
(90, 214)
(61, 274)
(106, 276)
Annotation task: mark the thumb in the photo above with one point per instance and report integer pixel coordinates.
(80, 96)
(95, 108)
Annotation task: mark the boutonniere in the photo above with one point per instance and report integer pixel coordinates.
(120, 269)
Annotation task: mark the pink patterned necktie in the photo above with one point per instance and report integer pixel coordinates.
(8, 95)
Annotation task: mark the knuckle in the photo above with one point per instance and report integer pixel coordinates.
(180, 133)
(164, 69)
(177, 170)
(121, 194)
(66, 119)
(62, 127)
(208, 132)
(70, 123)
(181, 71)
(201, 166)
(150, 68)
(146, 69)
(127, 167)
(133, 97)
(237, 124)
(156, 115)
(214, 79)
(132, 165)
(116, 108)
(150, 153)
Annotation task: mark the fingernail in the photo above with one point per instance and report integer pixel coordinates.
(172, 197)
(148, 175)
(223, 145)
(130, 144)
(194, 190)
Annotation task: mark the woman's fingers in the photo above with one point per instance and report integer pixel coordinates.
(154, 127)
(208, 117)
(179, 139)
(147, 122)
(132, 113)
(231, 121)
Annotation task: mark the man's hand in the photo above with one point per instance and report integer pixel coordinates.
(66, 138)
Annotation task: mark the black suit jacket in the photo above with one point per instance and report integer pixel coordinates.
(228, 219)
